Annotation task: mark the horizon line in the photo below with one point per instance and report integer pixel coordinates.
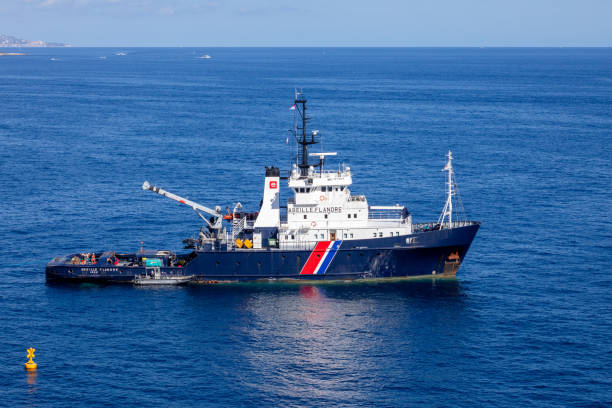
(315, 46)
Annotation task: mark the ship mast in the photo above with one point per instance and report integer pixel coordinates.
(301, 135)
(447, 212)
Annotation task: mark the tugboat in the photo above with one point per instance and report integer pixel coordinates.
(323, 233)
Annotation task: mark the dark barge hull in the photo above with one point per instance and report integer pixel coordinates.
(431, 253)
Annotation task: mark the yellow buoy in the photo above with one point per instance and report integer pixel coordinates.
(31, 365)
(239, 243)
(248, 243)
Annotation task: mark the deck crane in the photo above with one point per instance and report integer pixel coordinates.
(215, 222)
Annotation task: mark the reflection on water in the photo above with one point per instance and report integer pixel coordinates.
(310, 292)
(415, 288)
(305, 344)
(313, 340)
(31, 379)
(313, 306)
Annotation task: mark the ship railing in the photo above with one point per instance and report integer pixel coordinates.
(301, 245)
(337, 173)
(237, 227)
(432, 226)
(396, 213)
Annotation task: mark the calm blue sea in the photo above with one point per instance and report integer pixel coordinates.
(528, 322)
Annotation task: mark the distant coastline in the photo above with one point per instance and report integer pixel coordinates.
(7, 41)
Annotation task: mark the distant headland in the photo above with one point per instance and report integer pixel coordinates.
(7, 41)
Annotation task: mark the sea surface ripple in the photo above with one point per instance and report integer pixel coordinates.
(527, 322)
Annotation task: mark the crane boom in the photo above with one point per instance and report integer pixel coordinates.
(216, 213)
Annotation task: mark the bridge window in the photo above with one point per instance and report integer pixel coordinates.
(345, 235)
(349, 215)
(293, 237)
(351, 235)
(354, 215)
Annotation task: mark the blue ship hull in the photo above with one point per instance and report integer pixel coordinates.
(428, 253)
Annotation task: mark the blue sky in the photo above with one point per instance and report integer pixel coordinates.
(310, 22)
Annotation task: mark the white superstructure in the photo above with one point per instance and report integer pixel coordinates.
(323, 209)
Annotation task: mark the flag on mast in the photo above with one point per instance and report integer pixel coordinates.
(293, 107)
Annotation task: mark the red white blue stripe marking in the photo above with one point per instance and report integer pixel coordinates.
(320, 258)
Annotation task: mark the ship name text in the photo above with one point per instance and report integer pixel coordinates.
(322, 210)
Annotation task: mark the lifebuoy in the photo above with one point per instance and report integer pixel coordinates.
(314, 223)
(322, 198)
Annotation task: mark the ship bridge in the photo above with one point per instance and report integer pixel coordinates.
(323, 208)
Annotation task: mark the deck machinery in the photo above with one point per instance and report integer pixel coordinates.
(324, 233)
